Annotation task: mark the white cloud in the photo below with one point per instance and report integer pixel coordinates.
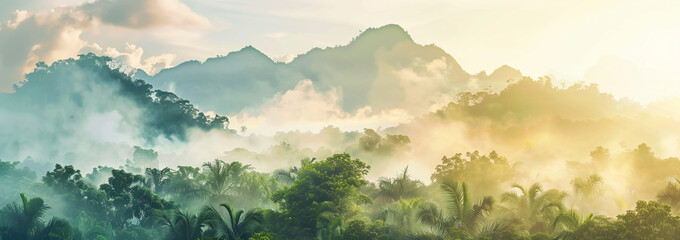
(276, 35)
(284, 58)
(305, 109)
(145, 14)
(17, 17)
(625, 78)
(39, 37)
(56, 34)
(132, 55)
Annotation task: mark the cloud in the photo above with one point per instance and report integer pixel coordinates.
(39, 37)
(17, 17)
(56, 34)
(132, 55)
(145, 14)
(305, 109)
(421, 87)
(284, 58)
(276, 35)
(624, 78)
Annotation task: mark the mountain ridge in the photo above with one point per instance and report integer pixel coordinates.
(369, 70)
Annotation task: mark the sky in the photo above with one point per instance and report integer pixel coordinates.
(630, 48)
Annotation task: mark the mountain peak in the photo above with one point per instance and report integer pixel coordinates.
(386, 35)
(505, 73)
(247, 53)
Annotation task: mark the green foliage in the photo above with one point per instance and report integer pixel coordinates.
(142, 159)
(536, 207)
(578, 101)
(649, 220)
(9, 170)
(226, 223)
(670, 195)
(221, 177)
(21, 178)
(463, 213)
(81, 196)
(329, 186)
(129, 200)
(185, 184)
(181, 225)
(165, 114)
(481, 172)
(261, 236)
(99, 175)
(401, 187)
(25, 222)
(372, 142)
(359, 230)
(402, 214)
(323, 202)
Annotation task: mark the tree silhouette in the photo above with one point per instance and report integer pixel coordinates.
(392, 189)
(222, 177)
(463, 214)
(536, 207)
(184, 226)
(25, 222)
(230, 224)
(670, 195)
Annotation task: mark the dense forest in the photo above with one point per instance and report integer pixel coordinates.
(318, 199)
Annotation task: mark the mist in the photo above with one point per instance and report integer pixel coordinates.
(382, 136)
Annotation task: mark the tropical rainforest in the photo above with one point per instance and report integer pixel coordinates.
(381, 138)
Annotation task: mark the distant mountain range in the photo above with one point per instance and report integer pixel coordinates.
(382, 68)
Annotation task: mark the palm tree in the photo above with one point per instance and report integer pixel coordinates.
(567, 222)
(462, 213)
(402, 214)
(670, 195)
(330, 227)
(256, 189)
(157, 179)
(184, 226)
(185, 184)
(230, 225)
(392, 189)
(286, 176)
(223, 177)
(588, 188)
(533, 205)
(26, 222)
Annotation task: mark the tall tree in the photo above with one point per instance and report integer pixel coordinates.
(536, 207)
(463, 213)
(182, 225)
(393, 189)
(402, 214)
(483, 173)
(323, 187)
(157, 179)
(567, 222)
(226, 224)
(670, 195)
(223, 177)
(25, 222)
(131, 200)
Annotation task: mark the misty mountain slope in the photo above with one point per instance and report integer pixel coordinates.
(382, 68)
(226, 84)
(78, 105)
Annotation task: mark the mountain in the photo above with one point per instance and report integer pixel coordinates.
(88, 105)
(226, 84)
(382, 68)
